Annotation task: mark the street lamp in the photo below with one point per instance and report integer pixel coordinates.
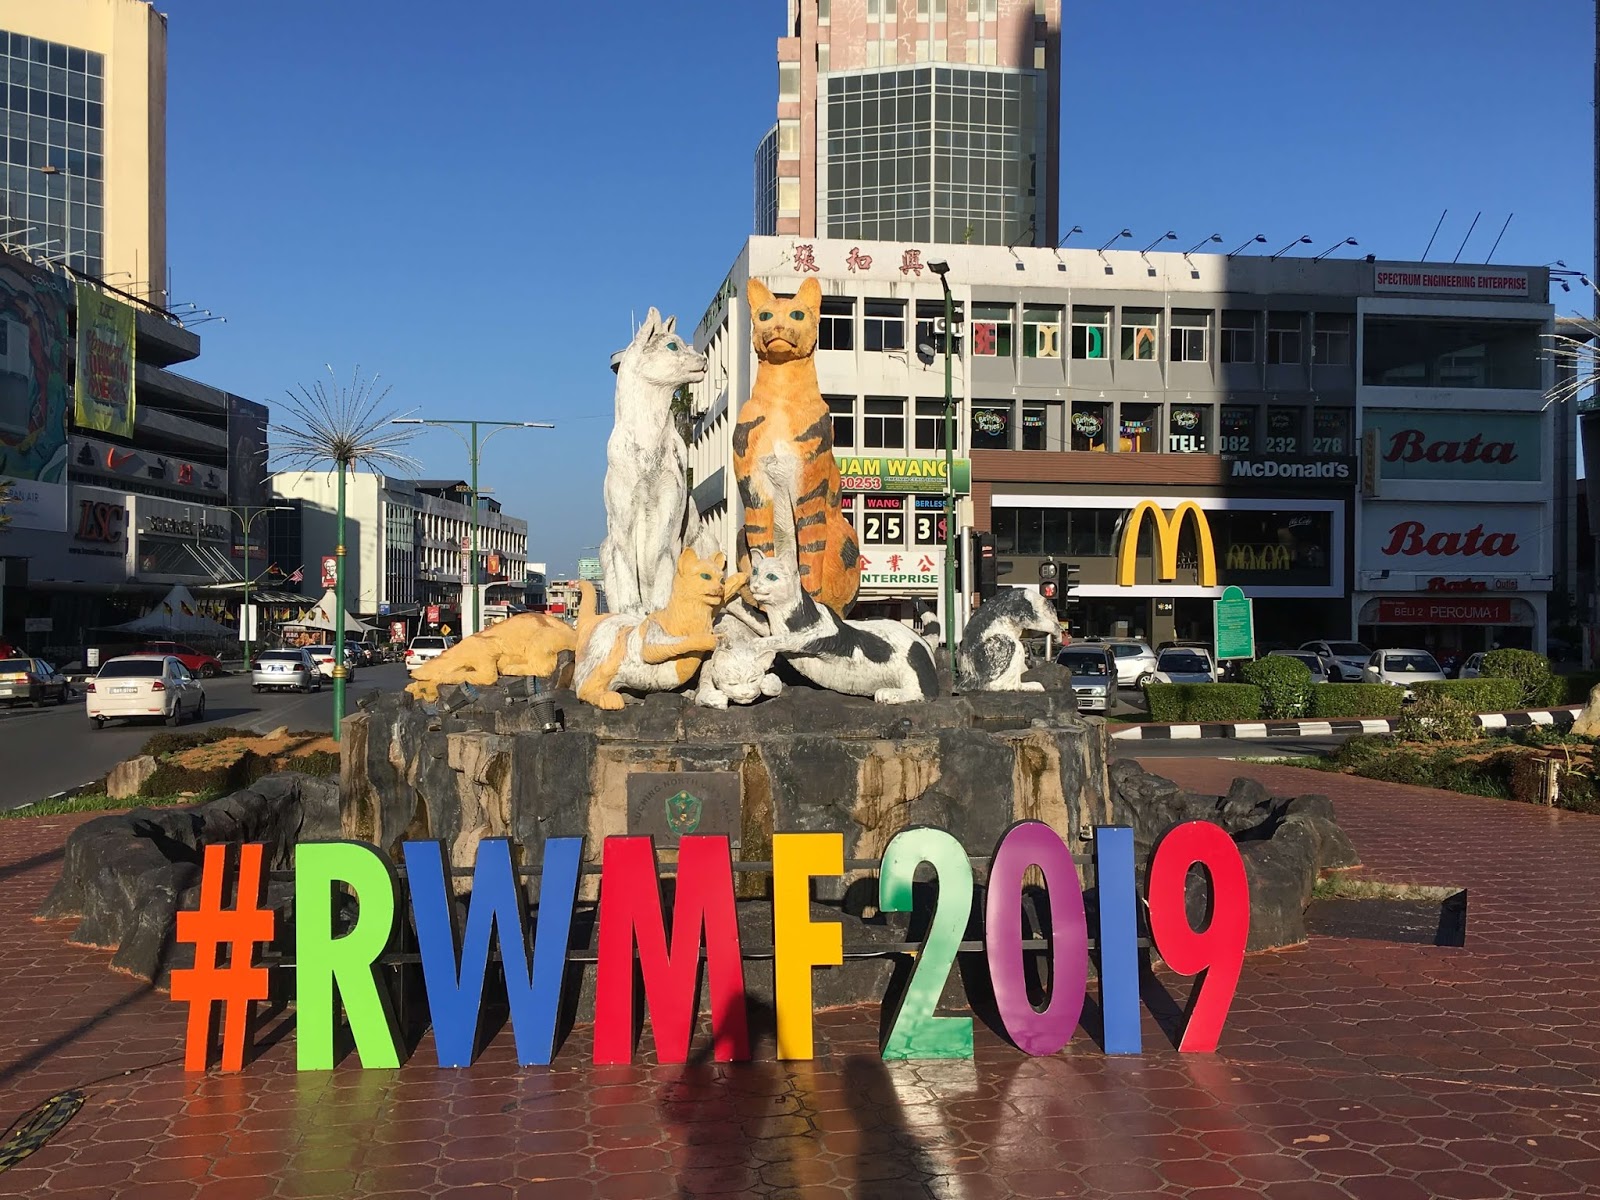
(474, 447)
(247, 513)
(942, 270)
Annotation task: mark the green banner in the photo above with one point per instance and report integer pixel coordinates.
(901, 474)
(1234, 625)
(103, 394)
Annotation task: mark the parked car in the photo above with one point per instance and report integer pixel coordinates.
(1401, 668)
(197, 662)
(426, 646)
(323, 657)
(1180, 644)
(1472, 668)
(1319, 673)
(291, 668)
(31, 681)
(1136, 662)
(145, 685)
(1343, 662)
(1185, 665)
(1093, 669)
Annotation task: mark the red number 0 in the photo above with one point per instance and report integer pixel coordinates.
(1214, 953)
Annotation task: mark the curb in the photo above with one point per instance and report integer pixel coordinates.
(1330, 728)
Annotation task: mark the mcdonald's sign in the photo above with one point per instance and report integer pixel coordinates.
(1269, 556)
(1166, 547)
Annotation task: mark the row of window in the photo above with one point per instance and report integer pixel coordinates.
(20, 48)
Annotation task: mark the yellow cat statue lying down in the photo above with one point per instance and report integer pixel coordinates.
(526, 644)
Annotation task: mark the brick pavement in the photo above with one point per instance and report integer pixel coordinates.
(1349, 1070)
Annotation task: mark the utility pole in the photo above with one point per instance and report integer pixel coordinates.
(247, 513)
(942, 270)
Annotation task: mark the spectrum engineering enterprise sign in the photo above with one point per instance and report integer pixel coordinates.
(633, 943)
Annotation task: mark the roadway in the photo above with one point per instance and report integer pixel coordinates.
(48, 750)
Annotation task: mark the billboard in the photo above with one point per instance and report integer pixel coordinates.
(33, 394)
(247, 451)
(1432, 443)
(1453, 539)
(103, 393)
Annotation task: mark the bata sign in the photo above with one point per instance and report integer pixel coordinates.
(1454, 281)
(1443, 538)
(1332, 470)
(1434, 444)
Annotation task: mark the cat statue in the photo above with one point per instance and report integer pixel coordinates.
(740, 668)
(991, 657)
(656, 653)
(649, 515)
(783, 458)
(882, 659)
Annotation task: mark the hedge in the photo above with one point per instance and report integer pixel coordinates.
(1353, 700)
(1285, 685)
(1577, 687)
(1190, 702)
(1482, 695)
(1531, 671)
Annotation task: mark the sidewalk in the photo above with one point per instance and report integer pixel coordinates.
(1349, 1070)
(1334, 727)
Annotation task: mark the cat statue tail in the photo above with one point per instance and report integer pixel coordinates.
(588, 608)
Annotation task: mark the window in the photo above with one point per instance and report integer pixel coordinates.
(824, 11)
(788, 194)
(1238, 429)
(991, 427)
(1423, 352)
(1035, 427)
(1288, 547)
(930, 424)
(927, 521)
(991, 330)
(1139, 330)
(1238, 337)
(1283, 338)
(1283, 430)
(1091, 332)
(1331, 431)
(1330, 340)
(883, 427)
(843, 409)
(1089, 425)
(1187, 429)
(788, 81)
(788, 136)
(836, 326)
(1189, 328)
(883, 523)
(1138, 431)
(885, 325)
(930, 327)
(1041, 331)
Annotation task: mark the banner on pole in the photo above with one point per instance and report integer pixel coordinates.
(103, 397)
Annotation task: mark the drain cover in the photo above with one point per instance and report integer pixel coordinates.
(33, 1129)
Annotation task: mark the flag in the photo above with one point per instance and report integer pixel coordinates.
(299, 575)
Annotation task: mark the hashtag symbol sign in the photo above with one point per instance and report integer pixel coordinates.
(239, 981)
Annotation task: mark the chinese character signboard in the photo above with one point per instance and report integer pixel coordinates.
(103, 395)
(900, 570)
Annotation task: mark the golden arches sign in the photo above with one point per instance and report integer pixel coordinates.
(1167, 528)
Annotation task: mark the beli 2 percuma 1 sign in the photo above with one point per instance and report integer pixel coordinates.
(634, 943)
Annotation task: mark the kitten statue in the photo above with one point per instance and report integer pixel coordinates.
(881, 659)
(657, 653)
(991, 657)
(740, 668)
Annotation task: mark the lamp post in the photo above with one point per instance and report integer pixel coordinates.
(942, 270)
(247, 513)
(474, 446)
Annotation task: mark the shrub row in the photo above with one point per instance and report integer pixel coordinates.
(1189, 702)
(1355, 700)
(1482, 695)
(1540, 688)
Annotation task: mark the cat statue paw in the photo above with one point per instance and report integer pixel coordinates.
(740, 668)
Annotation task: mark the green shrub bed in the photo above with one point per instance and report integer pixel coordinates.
(1355, 700)
(1484, 695)
(1285, 685)
(1192, 702)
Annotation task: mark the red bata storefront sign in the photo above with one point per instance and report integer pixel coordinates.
(1428, 611)
(666, 948)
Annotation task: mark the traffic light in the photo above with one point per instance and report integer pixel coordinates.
(1047, 579)
(1068, 585)
(988, 581)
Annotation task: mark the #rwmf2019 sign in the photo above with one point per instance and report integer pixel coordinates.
(633, 942)
(104, 391)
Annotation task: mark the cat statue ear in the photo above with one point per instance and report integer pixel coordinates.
(810, 295)
(670, 325)
(760, 296)
(651, 326)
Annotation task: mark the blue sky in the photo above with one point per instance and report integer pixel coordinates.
(474, 207)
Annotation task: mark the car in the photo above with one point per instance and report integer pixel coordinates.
(292, 668)
(31, 681)
(1093, 669)
(1401, 668)
(323, 656)
(1185, 665)
(1471, 669)
(1319, 673)
(1342, 661)
(1136, 662)
(144, 685)
(197, 662)
(1180, 644)
(426, 646)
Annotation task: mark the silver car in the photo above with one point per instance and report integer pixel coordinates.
(1091, 668)
(1309, 660)
(1342, 661)
(1136, 662)
(1185, 665)
(291, 668)
(32, 681)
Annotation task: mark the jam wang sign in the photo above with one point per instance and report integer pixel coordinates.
(634, 943)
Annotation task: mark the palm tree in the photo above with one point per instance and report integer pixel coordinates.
(342, 426)
(1580, 355)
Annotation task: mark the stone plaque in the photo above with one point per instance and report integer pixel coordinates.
(669, 804)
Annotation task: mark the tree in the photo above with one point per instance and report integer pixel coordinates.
(683, 419)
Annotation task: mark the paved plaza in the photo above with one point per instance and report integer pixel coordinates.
(1349, 1069)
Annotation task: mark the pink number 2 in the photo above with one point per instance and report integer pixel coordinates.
(1214, 953)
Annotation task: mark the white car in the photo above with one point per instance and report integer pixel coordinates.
(323, 657)
(1401, 668)
(1136, 662)
(145, 685)
(1311, 662)
(1184, 664)
(1472, 668)
(1343, 662)
(426, 646)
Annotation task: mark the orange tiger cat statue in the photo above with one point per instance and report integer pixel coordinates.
(783, 453)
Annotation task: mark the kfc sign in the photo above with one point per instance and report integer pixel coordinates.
(1455, 444)
(1429, 542)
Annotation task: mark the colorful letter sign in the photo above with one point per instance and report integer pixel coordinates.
(103, 395)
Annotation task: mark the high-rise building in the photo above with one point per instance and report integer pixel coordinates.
(83, 142)
(915, 120)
